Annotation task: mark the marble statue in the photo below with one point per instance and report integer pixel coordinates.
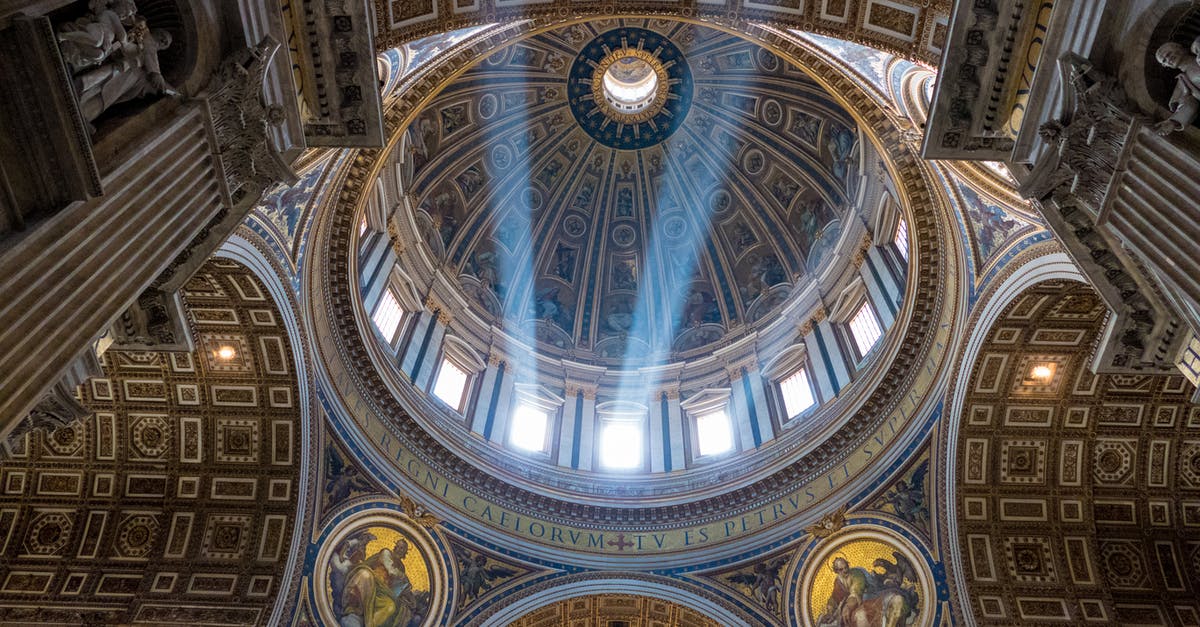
(113, 56)
(1185, 100)
(90, 40)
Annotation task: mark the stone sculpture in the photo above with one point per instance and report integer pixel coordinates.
(88, 41)
(1087, 142)
(1185, 100)
(113, 56)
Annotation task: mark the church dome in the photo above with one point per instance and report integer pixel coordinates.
(630, 195)
(632, 269)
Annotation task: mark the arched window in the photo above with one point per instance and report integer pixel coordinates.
(529, 428)
(794, 390)
(621, 436)
(534, 415)
(714, 433)
(864, 328)
(797, 393)
(455, 374)
(388, 315)
(451, 384)
(711, 424)
(900, 238)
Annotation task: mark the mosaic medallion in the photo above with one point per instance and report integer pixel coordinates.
(630, 88)
(377, 570)
(865, 578)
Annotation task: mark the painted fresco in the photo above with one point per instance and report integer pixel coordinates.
(283, 207)
(869, 62)
(423, 50)
(992, 227)
(378, 578)
(908, 497)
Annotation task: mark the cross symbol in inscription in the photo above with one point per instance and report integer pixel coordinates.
(620, 543)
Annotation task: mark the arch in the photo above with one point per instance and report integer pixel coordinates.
(875, 392)
(561, 588)
(243, 251)
(189, 472)
(1067, 484)
(913, 34)
(1043, 263)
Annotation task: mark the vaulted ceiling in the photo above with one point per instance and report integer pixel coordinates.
(609, 609)
(915, 29)
(175, 502)
(739, 188)
(1078, 494)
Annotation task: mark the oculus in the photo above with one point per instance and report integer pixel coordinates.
(630, 88)
(632, 85)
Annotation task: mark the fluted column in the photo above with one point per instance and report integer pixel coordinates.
(69, 279)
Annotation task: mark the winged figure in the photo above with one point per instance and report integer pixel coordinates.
(908, 497)
(899, 575)
(828, 525)
(344, 479)
(418, 512)
(477, 576)
(763, 582)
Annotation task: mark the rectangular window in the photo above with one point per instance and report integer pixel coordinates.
(797, 393)
(528, 429)
(451, 385)
(714, 434)
(864, 326)
(387, 315)
(900, 239)
(620, 444)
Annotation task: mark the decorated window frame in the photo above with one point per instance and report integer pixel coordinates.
(789, 363)
(457, 360)
(534, 398)
(710, 405)
(616, 420)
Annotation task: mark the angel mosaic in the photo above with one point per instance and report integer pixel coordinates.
(343, 478)
(907, 498)
(477, 576)
(763, 582)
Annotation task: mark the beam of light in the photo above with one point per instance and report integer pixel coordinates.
(679, 259)
(509, 206)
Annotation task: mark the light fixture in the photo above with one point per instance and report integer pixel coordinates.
(225, 353)
(1042, 372)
